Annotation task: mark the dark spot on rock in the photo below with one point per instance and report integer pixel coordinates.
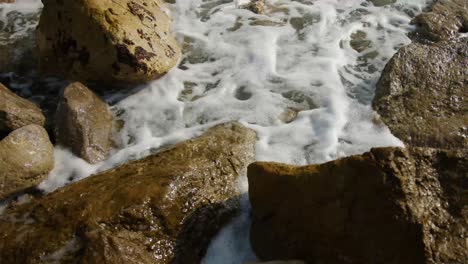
(67, 44)
(116, 67)
(59, 16)
(140, 11)
(112, 11)
(463, 29)
(128, 41)
(142, 54)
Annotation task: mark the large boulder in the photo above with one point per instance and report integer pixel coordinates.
(390, 205)
(16, 112)
(84, 123)
(422, 94)
(26, 158)
(161, 209)
(445, 20)
(108, 41)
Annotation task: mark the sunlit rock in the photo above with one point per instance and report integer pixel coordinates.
(446, 20)
(84, 123)
(162, 209)
(108, 41)
(389, 205)
(26, 158)
(423, 92)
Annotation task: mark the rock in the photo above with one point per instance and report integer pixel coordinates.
(7, 1)
(256, 6)
(106, 41)
(161, 209)
(26, 158)
(359, 41)
(84, 123)
(422, 94)
(390, 205)
(16, 112)
(382, 2)
(446, 20)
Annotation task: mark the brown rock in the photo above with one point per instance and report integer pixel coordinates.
(256, 6)
(26, 158)
(446, 20)
(390, 205)
(161, 209)
(84, 123)
(16, 112)
(423, 92)
(7, 1)
(109, 41)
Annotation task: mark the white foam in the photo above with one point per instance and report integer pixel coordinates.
(248, 67)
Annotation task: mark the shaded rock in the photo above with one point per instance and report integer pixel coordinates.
(16, 112)
(446, 20)
(84, 123)
(422, 94)
(108, 41)
(161, 209)
(26, 158)
(390, 205)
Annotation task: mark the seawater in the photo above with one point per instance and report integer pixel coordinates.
(258, 69)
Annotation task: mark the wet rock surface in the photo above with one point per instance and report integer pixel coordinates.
(446, 20)
(422, 94)
(390, 205)
(16, 112)
(107, 41)
(84, 123)
(26, 158)
(161, 209)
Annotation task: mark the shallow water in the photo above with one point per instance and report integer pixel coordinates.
(260, 70)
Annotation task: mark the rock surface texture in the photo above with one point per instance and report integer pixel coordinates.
(422, 94)
(161, 209)
(16, 112)
(26, 158)
(84, 123)
(390, 205)
(446, 20)
(107, 41)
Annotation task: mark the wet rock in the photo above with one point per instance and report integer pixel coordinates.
(106, 41)
(359, 41)
(26, 158)
(446, 20)
(423, 92)
(161, 209)
(256, 6)
(84, 123)
(7, 1)
(390, 205)
(16, 112)
(382, 2)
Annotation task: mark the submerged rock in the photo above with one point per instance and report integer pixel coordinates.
(256, 6)
(26, 158)
(390, 205)
(382, 2)
(108, 41)
(16, 112)
(161, 209)
(446, 20)
(84, 123)
(423, 92)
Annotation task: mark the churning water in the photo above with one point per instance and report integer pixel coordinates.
(303, 76)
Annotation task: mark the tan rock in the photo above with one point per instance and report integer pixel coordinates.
(422, 94)
(84, 123)
(26, 158)
(110, 41)
(162, 209)
(390, 205)
(16, 112)
(446, 20)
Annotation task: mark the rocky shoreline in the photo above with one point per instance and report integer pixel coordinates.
(389, 205)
